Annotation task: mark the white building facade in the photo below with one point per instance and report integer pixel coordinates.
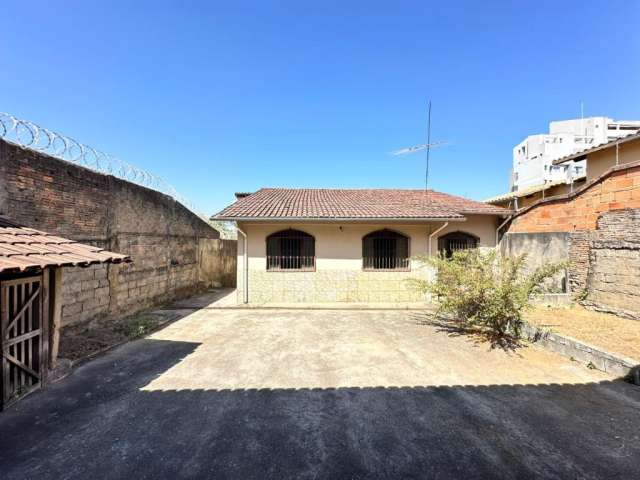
(533, 157)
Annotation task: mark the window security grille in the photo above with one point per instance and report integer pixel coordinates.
(385, 250)
(291, 250)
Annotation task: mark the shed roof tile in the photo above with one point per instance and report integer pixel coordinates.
(22, 248)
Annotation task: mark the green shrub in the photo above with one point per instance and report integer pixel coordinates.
(484, 289)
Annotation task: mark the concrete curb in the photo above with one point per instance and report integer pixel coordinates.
(302, 307)
(572, 348)
(552, 299)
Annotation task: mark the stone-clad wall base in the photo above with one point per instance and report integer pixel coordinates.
(332, 286)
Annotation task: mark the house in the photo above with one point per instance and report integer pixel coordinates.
(31, 264)
(325, 245)
(599, 159)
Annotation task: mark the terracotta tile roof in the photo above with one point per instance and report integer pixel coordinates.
(284, 203)
(22, 248)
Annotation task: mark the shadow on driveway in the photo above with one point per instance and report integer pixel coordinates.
(99, 423)
(474, 333)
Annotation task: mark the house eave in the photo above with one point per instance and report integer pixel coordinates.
(341, 219)
(581, 155)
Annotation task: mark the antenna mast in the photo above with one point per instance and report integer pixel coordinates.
(426, 173)
(425, 146)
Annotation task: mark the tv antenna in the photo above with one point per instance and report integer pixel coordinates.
(424, 146)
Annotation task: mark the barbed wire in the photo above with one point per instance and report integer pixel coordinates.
(30, 135)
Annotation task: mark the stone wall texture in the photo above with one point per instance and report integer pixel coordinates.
(175, 253)
(613, 278)
(332, 286)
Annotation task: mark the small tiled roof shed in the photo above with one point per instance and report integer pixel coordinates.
(23, 248)
(30, 302)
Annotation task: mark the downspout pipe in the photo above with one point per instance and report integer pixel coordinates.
(245, 267)
(446, 224)
(500, 228)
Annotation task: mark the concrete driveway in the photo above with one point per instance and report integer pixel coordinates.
(322, 394)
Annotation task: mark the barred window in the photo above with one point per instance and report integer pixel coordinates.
(291, 250)
(385, 250)
(454, 241)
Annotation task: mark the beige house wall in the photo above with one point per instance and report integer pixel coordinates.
(602, 160)
(338, 276)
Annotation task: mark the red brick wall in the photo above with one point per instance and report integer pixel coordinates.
(620, 189)
(172, 249)
(578, 269)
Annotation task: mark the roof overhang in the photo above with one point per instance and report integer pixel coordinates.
(342, 219)
(580, 155)
(530, 190)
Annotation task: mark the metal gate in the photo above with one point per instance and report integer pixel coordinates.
(23, 330)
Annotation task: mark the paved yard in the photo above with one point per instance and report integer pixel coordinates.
(322, 394)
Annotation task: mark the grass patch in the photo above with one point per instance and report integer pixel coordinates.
(137, 326)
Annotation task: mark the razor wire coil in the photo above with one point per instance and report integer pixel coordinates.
(32, 136)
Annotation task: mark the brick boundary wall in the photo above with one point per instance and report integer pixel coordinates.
(578, 269)
(175, 253)
(617, 189)
(603, 226)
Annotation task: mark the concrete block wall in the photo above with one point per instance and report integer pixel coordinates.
(540, 248)
(86, 293)
(175, 253)
(220, 266)
(613, 281)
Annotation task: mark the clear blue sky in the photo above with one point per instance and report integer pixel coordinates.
(224, 97)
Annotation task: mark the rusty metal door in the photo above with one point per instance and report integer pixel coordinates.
(23, 330)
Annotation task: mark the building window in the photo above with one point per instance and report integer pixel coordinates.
(385, 250)
(291, 250)
(454, 241)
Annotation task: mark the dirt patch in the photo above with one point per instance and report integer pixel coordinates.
(80, 341)
(612, 333)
